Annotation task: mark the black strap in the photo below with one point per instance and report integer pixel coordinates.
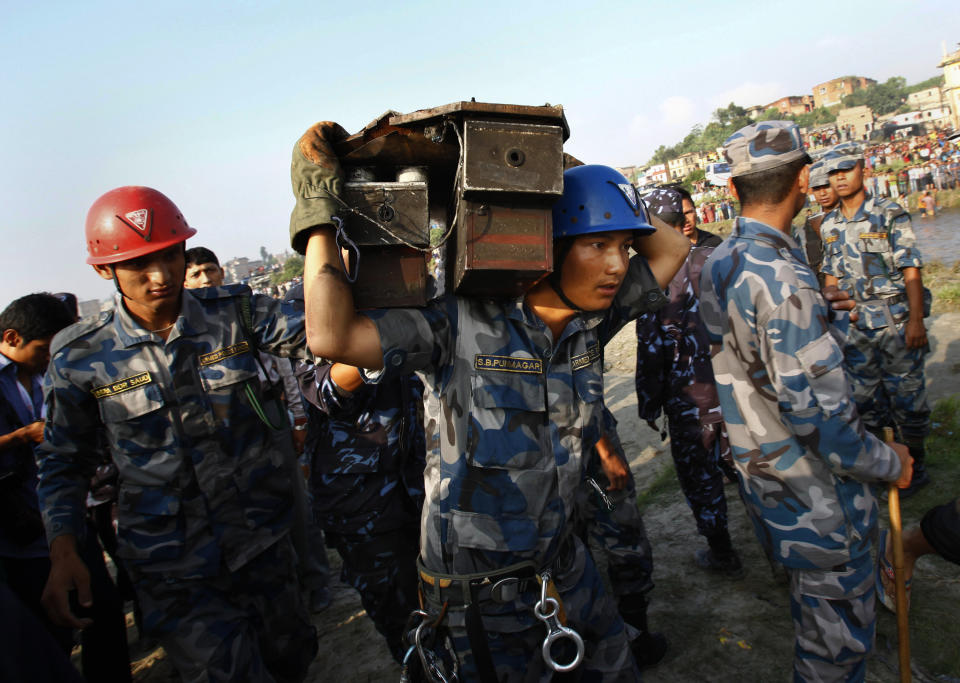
(477, 636)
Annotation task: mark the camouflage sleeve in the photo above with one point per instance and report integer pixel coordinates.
(906, 254)
(651, 374)
(639, 294)
(279, 327)
(805, 365)
(415, 339)
(831, 255)
(291, 389)
(68, 456)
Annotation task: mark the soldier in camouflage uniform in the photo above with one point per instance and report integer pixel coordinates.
(871, 252)
(365, 445)
(674, 377)
(513, 398)
(204, 497)
(805, 463)
(808, 235)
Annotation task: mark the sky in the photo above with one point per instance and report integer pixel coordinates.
(204, 100)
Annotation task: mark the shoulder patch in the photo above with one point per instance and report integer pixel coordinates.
(78, 329)
(122, 385)
(830, 239)
(532, 366)
(222, 292)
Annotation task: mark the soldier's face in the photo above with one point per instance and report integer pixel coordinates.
(203, 275)
(826, 197)
(594, 268)
(847, 183)
(690, 219)
(153, 281)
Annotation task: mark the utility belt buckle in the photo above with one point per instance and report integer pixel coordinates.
(505, 590)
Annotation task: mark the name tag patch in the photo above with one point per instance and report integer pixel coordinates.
(873, 235)
(122, 385)
(587, 359)
(225, 352)
(532, 366)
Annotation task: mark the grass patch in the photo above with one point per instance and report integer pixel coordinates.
(664, 487)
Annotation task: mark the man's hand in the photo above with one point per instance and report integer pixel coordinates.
(613, 467)
(906, 465)
(840, 300)
(67, 573)
(33, 432)
(915, 334)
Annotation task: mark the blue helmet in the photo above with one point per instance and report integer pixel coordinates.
(598, 199)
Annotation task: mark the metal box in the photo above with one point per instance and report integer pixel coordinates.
(390, 277)
(523, 161)
(401, 207)
(501, 250)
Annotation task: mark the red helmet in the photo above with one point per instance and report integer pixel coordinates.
(132, 221)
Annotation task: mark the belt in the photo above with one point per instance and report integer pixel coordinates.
(500, 586)
(886, 302)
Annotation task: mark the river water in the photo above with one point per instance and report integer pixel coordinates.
(938, 237)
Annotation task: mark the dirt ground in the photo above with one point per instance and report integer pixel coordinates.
(719, 629)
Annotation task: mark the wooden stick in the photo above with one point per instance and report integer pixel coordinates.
(896, 539)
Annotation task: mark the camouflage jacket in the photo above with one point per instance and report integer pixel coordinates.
(673, 348)
(202, 482)
(808, 237)
(804, 459)
(867, 254)
(509, 412)
(366, 451)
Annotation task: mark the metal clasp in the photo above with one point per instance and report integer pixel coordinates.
(546, 611)
(603, 494)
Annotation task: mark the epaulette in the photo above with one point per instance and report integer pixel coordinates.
(891, 210)
(80, 328)
(222, 292)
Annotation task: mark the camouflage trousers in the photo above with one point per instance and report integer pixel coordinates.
(515, 636)
(618, 533)
(383, 570)
(698, 468)
(834, 617)
(246, 625)
(888, 383)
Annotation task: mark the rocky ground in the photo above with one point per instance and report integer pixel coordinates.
(719, 629)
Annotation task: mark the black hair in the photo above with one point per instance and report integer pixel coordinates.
(671, 218)
(769, 187)
(197, 256)
(35, 316)
(684, 193)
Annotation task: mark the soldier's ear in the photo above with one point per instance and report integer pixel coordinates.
(11, 337)
(804, 179)
(106, 272)
(732, 189)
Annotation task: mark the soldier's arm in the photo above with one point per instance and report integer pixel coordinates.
(67, 458)
(334, 328)
(915, 333)
(665, 251)
(813, 391)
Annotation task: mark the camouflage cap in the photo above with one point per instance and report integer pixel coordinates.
(818, 175)
(663, 200)
(763, 146)
(842, 157)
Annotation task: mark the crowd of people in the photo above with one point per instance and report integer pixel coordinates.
(460, 457)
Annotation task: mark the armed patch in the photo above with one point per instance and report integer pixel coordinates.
(532, 366)
(122, 385)
(830, 239)
(225, 352)
(587, 359)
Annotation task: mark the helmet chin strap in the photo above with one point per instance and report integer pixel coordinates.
(554, 277)
(116, 282)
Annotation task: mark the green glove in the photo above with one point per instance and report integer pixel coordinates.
(317, 178)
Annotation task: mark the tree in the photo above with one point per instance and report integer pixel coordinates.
(692, 178)
(292, 267)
